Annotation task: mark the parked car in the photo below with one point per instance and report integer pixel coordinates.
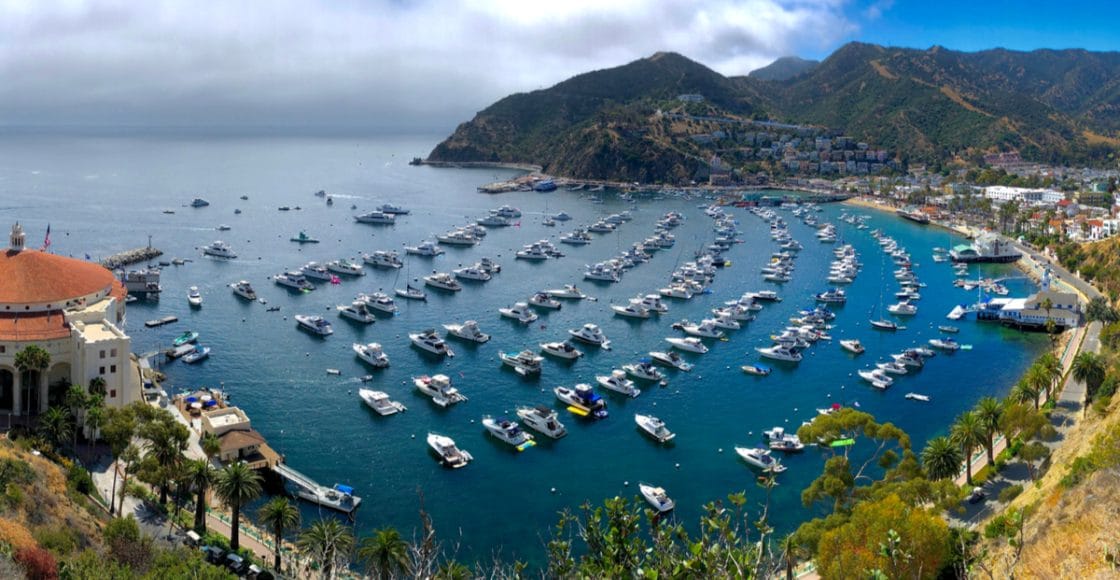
(236, 564)
(977, 495)
(213, 554)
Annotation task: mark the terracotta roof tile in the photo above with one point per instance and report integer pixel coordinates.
(33, 326)
(34, 277)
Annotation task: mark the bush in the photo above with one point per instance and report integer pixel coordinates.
(1108, 387)
(215, 539)
(1101, 405)
(79, 480)
(1010, 493)
(60, 540)
(37, 563)
(1079, 469)
(126, 529)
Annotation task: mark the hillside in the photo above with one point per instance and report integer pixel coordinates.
(783, 69)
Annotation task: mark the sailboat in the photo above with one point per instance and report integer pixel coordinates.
(883, 323)
(409, 292)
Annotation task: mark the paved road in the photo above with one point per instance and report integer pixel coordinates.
(1059, 272)
(1073, 392)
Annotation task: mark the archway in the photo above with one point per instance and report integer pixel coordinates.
(58, 382)
(7, 390)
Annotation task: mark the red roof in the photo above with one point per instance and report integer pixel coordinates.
(34, 277)
(1064, 203)
(33, 326)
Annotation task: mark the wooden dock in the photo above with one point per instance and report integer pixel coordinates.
(161, 321)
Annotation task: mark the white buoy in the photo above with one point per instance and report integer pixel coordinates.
(552, 490)
(626, 483)
(720, 450)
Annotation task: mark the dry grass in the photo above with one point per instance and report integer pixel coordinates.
(956, 97)
(883, 70)
(1098, 139)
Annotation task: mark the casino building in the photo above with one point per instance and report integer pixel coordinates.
(75, 310)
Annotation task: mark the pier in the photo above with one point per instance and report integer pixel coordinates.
(339, 497)
(131, 257)
(161, 321)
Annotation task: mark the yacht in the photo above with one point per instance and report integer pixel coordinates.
(651, 302)
(543, 420)
(314, 324)
(244, 290)
(760, 458)
(676, 291)
(393, 209)
(671, 359)
(833, 296)
(411, 293)
(591, 334)
(903, 308)
(582, 400)
(601, 272)
(442, 281)
(383, 259)
(379, 401)
(379, 301)
(376, 217)
(371, 354)
(457, 238)
(576, 238)
(448, 453)
(494, 221)
(766, 296)
(705, 329)
(200, 353)
(199, 202)
(425, 248)
(346, 267)
(508, 212)
(357, 311)
(617, 382)
(947, 344)
(630, 311)
(569, 291)
(467, 331)
(489, 266)
(655, 428)
(852, 345)
(756, 370)
(884, 324)
(531, 252)
(549, 222)
(725, 321)
(892, 367)
(780, 352)
(525, 362)
(194, 297)
(562, 350)
(877, 378)
(779, 440)
(643, 370)
(294, 280)
(519, 312)
(429, 341)
(656, 497)
(910, 358)
(509, 431)
(439, 388)
(471, 273)
(949, 329)
(688, 344)
(219, 249)
(303, 238)
(543, 300)
(918, 397)
(561, 217)
(317, 271)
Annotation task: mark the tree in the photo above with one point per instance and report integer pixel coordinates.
(129, 457)
(76, 400)
(942, 458)
(166, 442)
(201, 477)
(1089, 367)
(55, 426)
(278, 515)
(31, 360)
(967, 433)
(1026, 391)
(95, 419)
(237, 485)
(329, 542)
(97, 386)
(385, 553)
(1052, 370)
(1099, 310)
(211, 445)
(845, 552)
(1031, 453)
(791, 551)
(988, 412)
(120, 425)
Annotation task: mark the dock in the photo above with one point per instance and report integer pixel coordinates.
(131, 257)
(339, 497)
(161, 321)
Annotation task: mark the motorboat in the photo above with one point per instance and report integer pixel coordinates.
(676, 291)
(508, 211)
(654, 427)
(294, 280)
(199, 354)
(918, 397)
(884, 324)
(471, 273)
(219, 249)
(186, 338)
(379, 301)
(543, 300)
(314, 324)
(946, 344)
(877, 377)
(735, 312)
(781, 352)
(303, 238)
(852, 345)
(903, 308)
(194, 297)
(576, 238)
(760, 458)
(542, 420)
(493, 220)
(199, 202)
(725, 321)
(757, 370)
(439, 388)
(591, 334)
(651, 302)
(688, 344)
(766, 296)
(244, 289)
(949, 329)
(376, 217)
(457, 238)
(520, 312)
(779, 440)
(910, 358)
(442, 281)
(833, 296)
(380, 402)
(467, 331)
(561, 217)
(705, 328)
(383, 259)
(426, 249)
(411, 293)
(617, 382)
(582, 400)
(601, 272)
(317, 271)
(892, 367)
(525, 362)
(508, 431)
(489, 266)
(630, 311)
(672, 359)
(371, 354)
(562, 350)
(346, 267)
(644, 370)
(569, 291)
(532, 252)
(357, 312)
(448, 453)
(656, 497)
(393, 209)
(429, 341)
(549, 222)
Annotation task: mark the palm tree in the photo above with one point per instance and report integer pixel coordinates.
(97, 386)
(1026, 391)
(211, 445)
(129, 457)
(76, 400)
(1052, 368)
(278, 515)
(167, 441)
(200, 476)
(237, 485)
(1089, 367)
(1099, 310)
(327, 541)
(95, 419)
(55, 426)
(791, 551)
(968, 434)
(941, 458)
(385, 553)
(31, 360)
(120, 425)
(988, 412)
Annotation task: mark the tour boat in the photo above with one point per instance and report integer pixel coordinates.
(442, 281)
(671, 359)
(303, 238)
(379, 301)
(383, 259)
(782, 352)
(643, 370)
(371, 354)
(393, 209)
(569, 291)
(757, 370)
(947, 344)
(562, 350)
(918, 397)
(448, 453)
(425, 248)
(410, 293)
(467, 331)
(543, 300)
(219, 249)
(525, 362)
(457, 238)
(346, 267)
(852, 345)
(779, 440)
(591, 334)
(244, 290)
(520, 312)
(317, 271)
(630, 311)
(294, 280)
(508, 431)
(760, 458)
(357, 311)
(689, 344)
(543, 420)
(429, 341)
(876, 377)
(380, 402)
(194, 297)
(654, 427)
(439, 388)
(582, 400)
(314, 324)
(656, 497)
(200, 353)
(471, 273)
(376, 217)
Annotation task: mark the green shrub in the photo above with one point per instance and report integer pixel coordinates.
(60, 540)
(1101, 405)
(215, 539)
(1079, 469)
(79, 480)
(1010, 493)
(1108, 387)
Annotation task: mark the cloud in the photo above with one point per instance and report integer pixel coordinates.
(380, 63)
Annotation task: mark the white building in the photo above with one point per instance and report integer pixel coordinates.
(1003, 194)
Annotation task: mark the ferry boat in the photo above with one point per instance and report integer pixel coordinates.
(508, 431)
(617, 382)
(294, 280)
(383, 259)
(591, 334)
(442, 281)
(689, 344)
(393, 209)
(672, 359)
(426, 249)
(380, 402)
(371, 354)
(344, 266)
(656, 497)
(194, 297)
(429, 341)
(582, 401)
(199, 354)
(244, 289)
(467, 331)
(760, 458)
(543, 300)
(303, 238)
(562, 350)
(543, 420)
(654, 427)
(439, 388)
(379, 301)
(520, 312)
(448, 453)
(376, 217)
(357, 311)
(525, 362)
(314, 324)
(779, 440)
(219, 249)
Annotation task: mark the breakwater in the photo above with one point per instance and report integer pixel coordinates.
(131, 257)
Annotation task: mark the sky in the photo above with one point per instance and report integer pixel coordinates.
(427, 65)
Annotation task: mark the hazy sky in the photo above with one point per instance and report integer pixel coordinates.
(425, 64)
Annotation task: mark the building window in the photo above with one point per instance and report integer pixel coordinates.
(102, 371)
(112, 393)
(112, 368)
(3, 349)
(102, 354)
(113, 353)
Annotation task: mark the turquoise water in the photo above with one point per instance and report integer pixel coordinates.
(102, 195)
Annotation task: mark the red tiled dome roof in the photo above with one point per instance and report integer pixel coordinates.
(33, 277)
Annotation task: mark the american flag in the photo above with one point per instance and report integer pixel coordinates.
(47, 239)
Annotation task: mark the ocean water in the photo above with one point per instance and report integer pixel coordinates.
(105, 194)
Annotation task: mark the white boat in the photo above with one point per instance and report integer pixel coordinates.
(371, 354)
(294, 280)
(918, 397)
(219, 249)
(689, 344)
(200, 353)
(656, 497)
(357, 311)
(676, 291)
(531, 252)
(508, 211)
(630, 311)
(543, 420)
(569, 291)
(704, 329)
(562, 350)
(489, 266)
(779, 440)
(520, 312)
(393, 209)
(346, 267)
(508, 431)
(543, 300)
(379, 401)
(457, 238)
(725, 321)
(471, 273)
(582, 400)
(760, 458)
(591, 334)
(884, 324)
(671, 359)
(244, 289)
(316, 271)
(410, 293)
(194, 297)
(425, 248)
(439, 388)
(651, 302)
(429, 341)
(766, 296)
(876, 377)
(903, 308)
(467, 331)
(494, 221)
(782, 352)
(525, 362)
(654, 427)
(383, 259)
(379, 301)
(601, 272)
(314, 324)
(448, 453)
(946, 344)
(643, 370)
(548, 222)
(757, 370)
(617, 382)
(376, 217)
(442, 281)
(852, 345)
(892, 367)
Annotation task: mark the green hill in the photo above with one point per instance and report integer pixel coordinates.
(783, 69)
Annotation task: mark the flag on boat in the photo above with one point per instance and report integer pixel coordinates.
(47, 239)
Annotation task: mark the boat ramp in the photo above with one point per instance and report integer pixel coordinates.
(340, 497)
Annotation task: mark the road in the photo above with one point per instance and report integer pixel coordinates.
(1060, 272)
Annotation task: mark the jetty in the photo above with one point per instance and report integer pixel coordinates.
(161, 321)
(131, 257)
(339, 497)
